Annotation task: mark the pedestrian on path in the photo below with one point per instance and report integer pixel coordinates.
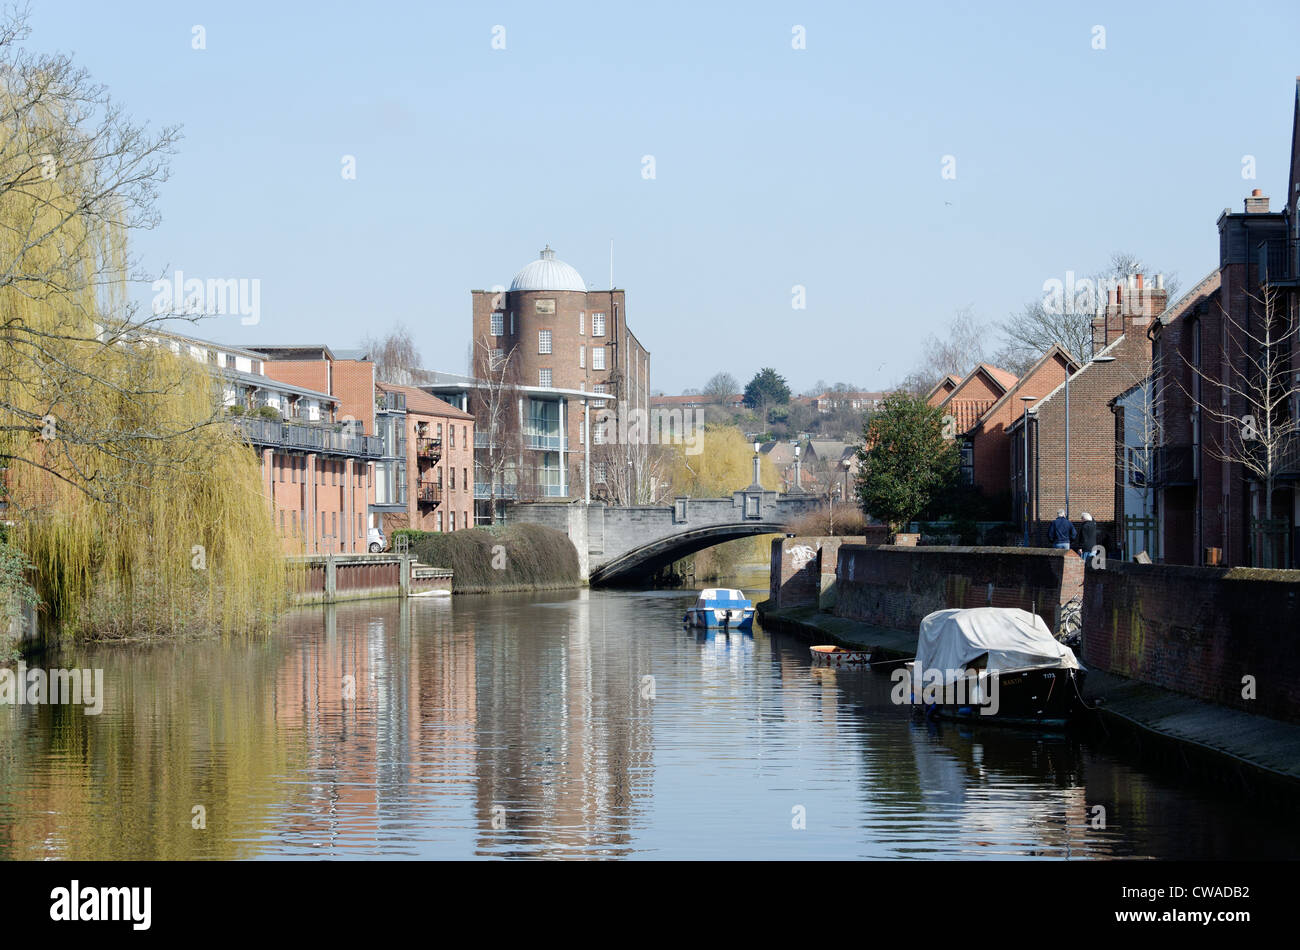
(1061, 533)
(1087, 537)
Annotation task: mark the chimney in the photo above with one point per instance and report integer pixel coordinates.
(1257, 203)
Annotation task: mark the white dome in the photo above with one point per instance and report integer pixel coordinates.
(546, 273)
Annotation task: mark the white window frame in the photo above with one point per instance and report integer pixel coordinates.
(498, 323)
(582, 323)
(582, 356)
(598, 357)
(597, 324)
(544, 342)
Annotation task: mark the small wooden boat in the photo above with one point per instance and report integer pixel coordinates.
(721, 608)
(839, 656)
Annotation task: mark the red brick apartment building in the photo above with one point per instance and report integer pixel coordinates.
(1122, 359)
(942, 390)
(566, 341)
(1210, 508)
(427, 483)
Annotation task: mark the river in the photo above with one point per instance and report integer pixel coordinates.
(580, 723)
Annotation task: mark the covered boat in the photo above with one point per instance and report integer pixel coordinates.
(999, 664)
(719, 607)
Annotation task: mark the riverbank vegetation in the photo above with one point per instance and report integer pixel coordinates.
(138, 509)
(503, 557)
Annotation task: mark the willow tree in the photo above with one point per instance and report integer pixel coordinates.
(138, 509)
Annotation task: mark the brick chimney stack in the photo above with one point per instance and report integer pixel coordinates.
(1134, 303)
(1257, 203)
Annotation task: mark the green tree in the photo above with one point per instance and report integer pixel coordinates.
(767, 388)
(905, 460)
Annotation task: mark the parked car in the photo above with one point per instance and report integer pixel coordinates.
(375, 540)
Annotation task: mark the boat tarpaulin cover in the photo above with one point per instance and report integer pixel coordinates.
(722, 604)
(1012, 638)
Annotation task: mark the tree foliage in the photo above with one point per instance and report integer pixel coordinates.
(905, 461)
(767, 388)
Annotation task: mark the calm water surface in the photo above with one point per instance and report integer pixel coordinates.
(522, 725)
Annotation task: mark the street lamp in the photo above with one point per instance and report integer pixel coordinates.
(798, 473)
(1024, 434)
(757, 485)
(1095, 359)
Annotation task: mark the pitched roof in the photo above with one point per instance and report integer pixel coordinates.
(967, 412)
(950, 381)
(418, 400)
(1054, 350)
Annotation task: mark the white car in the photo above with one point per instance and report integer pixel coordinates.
(375, 540)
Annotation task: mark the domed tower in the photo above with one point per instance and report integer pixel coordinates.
(564, 341)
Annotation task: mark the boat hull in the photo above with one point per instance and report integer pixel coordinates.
(711, 618)
(1047, 698)
(839, 657)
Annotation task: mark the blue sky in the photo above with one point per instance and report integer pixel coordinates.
(774, 167)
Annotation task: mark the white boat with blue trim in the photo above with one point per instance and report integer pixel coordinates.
(721, 608)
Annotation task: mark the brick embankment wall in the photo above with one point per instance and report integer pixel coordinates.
(1199, 631)
(894, 586)
(803, 568)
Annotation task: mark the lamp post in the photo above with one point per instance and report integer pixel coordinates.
(798, 473)
(1024, 434)
(757, 485)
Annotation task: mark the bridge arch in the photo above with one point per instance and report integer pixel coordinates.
(641, 562)
(625, 544)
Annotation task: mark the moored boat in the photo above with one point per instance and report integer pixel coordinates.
(995, 664)
(720, 607)
(839, 656)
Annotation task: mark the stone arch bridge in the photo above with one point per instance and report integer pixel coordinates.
(625, 545)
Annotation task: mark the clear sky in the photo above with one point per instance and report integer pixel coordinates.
(773, 166)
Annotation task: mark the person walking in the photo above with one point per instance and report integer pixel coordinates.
(1061, 532)
(1087, 537)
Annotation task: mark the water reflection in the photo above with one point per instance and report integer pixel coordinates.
(572, 724)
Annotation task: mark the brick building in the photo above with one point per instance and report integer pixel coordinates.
(1087, 483)
(1202, 350)
(431, 487)
(565, 338)
(962, 409)
(942, 389)
(995, 469)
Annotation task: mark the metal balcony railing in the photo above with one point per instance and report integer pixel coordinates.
(428, 450)
(390, 402)
(482, 490)
(546, 443)
(1173, 465)
(289, 435)
(429, 493)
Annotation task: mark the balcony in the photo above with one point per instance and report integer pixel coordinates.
(545, 443)
(390, 402)
(1279, 262)
(1173, 465)
(482, 491)
(428, 450)
(267, 433)
(428, 494)
(1289, 467)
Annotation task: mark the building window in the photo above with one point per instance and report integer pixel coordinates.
(498, 323)
(582, 356)
(452, 523)
(439, 431)
(597, 471)
(439, 521)
(597, 324)
(544, 378)
(451, 431)
(543, 342)
(464, 476)
(452, 475)
(597, 357)
(582, 323)
(498, 356)
(598, 388)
